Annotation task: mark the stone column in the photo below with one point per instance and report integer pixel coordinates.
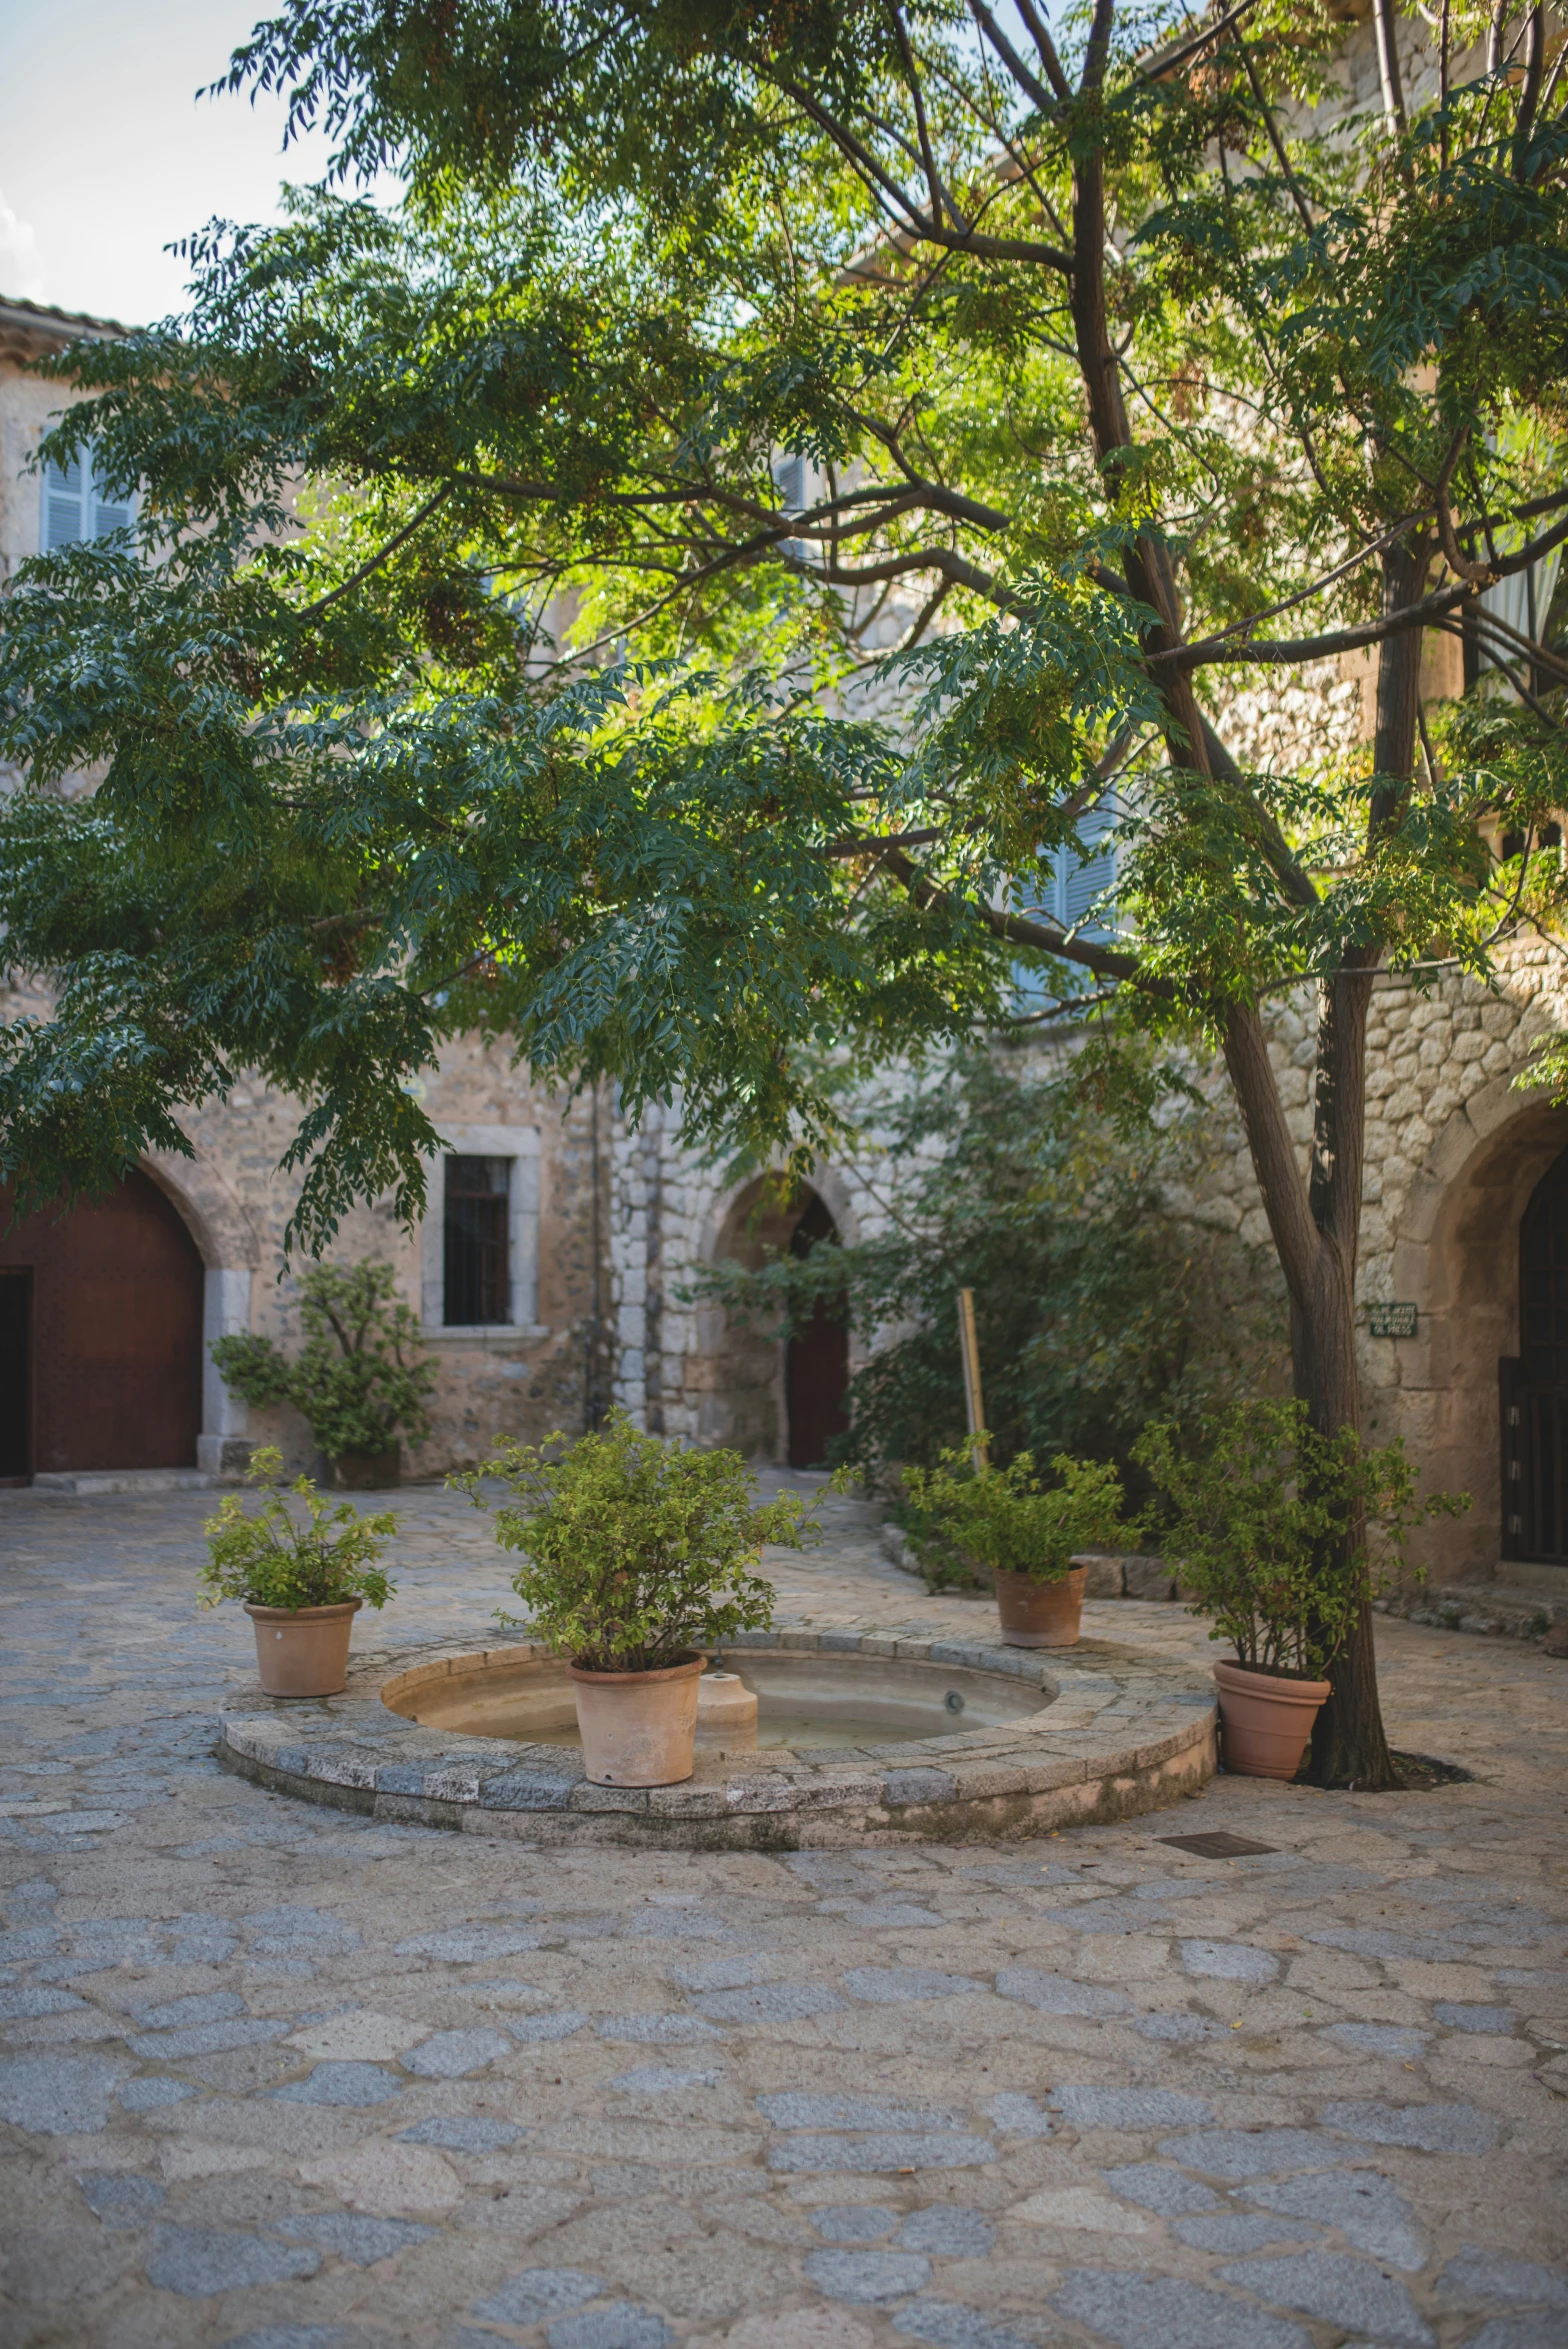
(628, 1269)
(223, 1447)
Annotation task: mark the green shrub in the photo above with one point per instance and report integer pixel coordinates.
(362, 1377)
(1009, 1520)
(638, 1551)
(277, 1559)
(1278, 1530)
(1048, 1194)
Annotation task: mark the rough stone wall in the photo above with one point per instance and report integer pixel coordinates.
(684, 1368)
(27, 406)
(523, 1381)
(1454, 1148)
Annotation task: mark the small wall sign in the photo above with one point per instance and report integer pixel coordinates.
(1393, 1321)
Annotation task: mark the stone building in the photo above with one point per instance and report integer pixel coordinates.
(544, 1273)
(550, 1269)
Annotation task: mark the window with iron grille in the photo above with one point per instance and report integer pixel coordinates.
(478, 1285)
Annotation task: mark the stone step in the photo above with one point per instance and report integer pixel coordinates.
(1112, 1574)
(1487, 1609)
(1495, 1610)
(126, 1480)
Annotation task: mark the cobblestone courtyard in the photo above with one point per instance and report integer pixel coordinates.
(281, 2078)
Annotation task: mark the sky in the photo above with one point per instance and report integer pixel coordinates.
(107, 155)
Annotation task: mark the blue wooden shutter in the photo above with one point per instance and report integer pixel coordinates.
(76, 506)
(1077, 881)
(65, 498)
(107, 513)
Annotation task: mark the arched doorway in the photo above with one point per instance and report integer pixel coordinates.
(100, 1336)
(1457, 1256)
(816, 1357)
(1535, 1383)
(771, 1399)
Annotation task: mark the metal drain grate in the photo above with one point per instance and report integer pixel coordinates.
(1220, 1845)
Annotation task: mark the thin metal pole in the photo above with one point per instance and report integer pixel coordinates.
(969, 1347)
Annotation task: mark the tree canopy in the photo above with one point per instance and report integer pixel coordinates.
(1104, 363)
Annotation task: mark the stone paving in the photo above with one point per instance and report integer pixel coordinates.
(280, 2078)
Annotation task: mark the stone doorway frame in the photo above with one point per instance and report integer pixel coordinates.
(738, 1375)
(231, 1253)
(1456, 1255)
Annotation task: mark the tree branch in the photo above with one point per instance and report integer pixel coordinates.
(1479, 574)
(1274, 139)
(1530, 96)
(1165, 62)
(322, 603)
(1046, 47)
(1388, 67)
(1017, 931)
(1029, 83)
(1422, 614)
(1296, 882)
(1270, 652)
(1097, 48)
(875, 844)
(935, 189)
(1540, 656)
(919, 225)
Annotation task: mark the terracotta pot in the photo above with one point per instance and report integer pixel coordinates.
(303, 1651)
(365, 1472)
(1267, 1720)
(638, 1728)
(1038, 1614)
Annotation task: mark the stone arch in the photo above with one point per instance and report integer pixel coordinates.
(214, 1214)
(1456, 1256)
(741, 1373)
(231, 1252)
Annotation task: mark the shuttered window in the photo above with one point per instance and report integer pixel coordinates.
(78, 507)
(1076, 881)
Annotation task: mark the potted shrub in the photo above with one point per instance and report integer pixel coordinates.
(302, 1577)
(361, 1379)
(1025, 1531)
(1279, 1531)
(639, 1557)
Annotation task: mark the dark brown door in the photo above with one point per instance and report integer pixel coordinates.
(16, 1356)
(1535, 1383)
(114, 1360)
(816, 1361)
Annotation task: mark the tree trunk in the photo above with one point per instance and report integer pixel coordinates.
(1315, 1226)
(1349, 1747)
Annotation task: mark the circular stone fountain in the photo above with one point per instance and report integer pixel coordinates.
(858, 1737)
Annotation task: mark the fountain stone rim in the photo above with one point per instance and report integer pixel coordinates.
(1120, 1734)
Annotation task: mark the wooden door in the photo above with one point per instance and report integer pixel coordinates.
(816, 1379)
(816, 1359)
(114, 1357)
(16, 1382)
(1535, 1383)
